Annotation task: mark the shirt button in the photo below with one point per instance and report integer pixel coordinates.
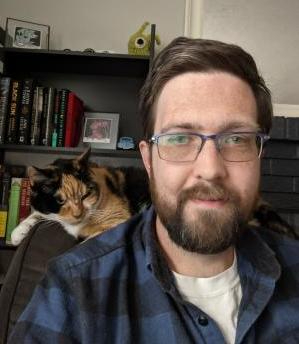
(202, 320)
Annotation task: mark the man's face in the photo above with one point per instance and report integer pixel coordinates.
(203, 204)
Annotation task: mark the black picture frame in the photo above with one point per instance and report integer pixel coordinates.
(26, 35)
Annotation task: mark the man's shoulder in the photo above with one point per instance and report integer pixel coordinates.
(106, 246)
(286, 249)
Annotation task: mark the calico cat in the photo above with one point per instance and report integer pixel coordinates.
(88, 199)
(85, 198)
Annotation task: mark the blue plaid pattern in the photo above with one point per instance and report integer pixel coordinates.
(117, 288)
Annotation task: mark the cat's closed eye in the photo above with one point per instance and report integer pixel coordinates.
(88, 193)
(60, 201)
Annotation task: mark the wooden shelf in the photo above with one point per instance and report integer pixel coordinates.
(71, 151)
(18, 61)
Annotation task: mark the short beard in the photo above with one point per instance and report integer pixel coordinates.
(210, 231)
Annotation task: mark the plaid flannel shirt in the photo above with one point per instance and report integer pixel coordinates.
(117, 288)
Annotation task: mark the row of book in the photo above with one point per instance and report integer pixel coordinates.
(15, 200)
(31, 114)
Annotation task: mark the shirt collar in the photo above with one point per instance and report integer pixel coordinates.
(253, 254)
(155, 259)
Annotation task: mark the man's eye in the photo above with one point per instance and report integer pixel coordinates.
(177, 140)
(235, 139)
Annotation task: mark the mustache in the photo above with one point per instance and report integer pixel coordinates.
(206, 193)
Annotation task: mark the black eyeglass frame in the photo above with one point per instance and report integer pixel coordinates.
(214, 137)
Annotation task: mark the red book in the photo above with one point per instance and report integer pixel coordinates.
(74, 119)
(24, 199)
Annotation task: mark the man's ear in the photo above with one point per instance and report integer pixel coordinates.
(144, 148)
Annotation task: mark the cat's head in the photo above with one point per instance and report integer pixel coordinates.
(65, 188)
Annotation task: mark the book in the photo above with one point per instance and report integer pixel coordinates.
(62, 117)
(13, 111)
(55, 119)
(13, 207)
(3, 223)
(16, 170)
(44, 112)
(24, 199)
(74, 119)
(5, 186)
(25, 111)
(4, 99)
(48, 111)
(37, 109)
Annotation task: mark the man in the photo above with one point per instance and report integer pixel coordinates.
(187, 270)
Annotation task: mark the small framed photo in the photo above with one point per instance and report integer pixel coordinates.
(23, 34)
(101, 129)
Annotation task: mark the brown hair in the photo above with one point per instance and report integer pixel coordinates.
(187, 55)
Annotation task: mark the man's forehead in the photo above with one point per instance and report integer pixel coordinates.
(215, 101)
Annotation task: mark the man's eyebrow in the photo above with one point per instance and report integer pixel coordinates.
(179, 126)
(239, 125)
(221, 128)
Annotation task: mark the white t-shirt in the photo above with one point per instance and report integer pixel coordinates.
(218, 296)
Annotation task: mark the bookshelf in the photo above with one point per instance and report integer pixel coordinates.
(105, 82)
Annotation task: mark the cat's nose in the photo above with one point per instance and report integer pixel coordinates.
(77, 211)
(77, 215)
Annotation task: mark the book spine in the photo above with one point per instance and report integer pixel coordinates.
(13, 207)
(62, 118)
(14, 104)
(5, 185)
(25, 111)
(70, 120)
(78, 123)
(44, 115)
(37, 110)
(6, 182)
(55, 119)
(4, 99)
(3, 223)
(48, 118)
(74, 118)
(24, 199)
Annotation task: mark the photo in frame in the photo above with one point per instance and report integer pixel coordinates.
(24, 34)
(101, 129)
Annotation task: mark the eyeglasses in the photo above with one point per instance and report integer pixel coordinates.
(233, 147)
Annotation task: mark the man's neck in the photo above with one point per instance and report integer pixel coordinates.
(190, 263)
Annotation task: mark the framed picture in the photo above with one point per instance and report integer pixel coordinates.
(101, 129)
(23, 34)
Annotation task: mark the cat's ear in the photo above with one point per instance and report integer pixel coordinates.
(36, 175)
(82, 160)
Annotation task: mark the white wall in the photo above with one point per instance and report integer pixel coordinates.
(269, 30)
(97, 24)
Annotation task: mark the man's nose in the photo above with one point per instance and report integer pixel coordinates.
(209, 164)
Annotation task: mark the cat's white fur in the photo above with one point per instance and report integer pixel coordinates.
(21, 231)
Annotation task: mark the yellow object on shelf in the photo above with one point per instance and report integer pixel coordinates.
(140, 43)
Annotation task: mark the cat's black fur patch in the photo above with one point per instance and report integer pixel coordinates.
(43, 191)
(136, 188)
